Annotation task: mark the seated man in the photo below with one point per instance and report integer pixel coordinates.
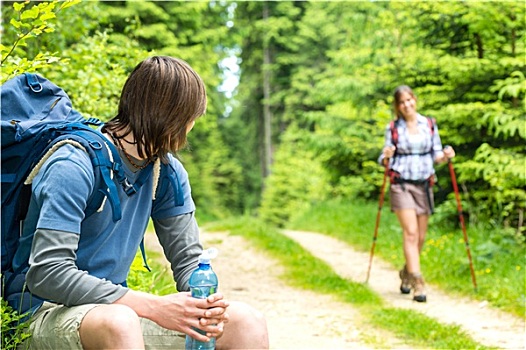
(81, 262)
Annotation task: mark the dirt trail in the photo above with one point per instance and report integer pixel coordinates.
(299, 319)
(296, 319)
(486, 325)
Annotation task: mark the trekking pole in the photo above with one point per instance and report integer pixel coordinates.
(461, 219)
(377, 221)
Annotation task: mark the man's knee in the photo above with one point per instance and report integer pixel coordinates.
(112, 317)
(247, 328)
(110, 324)
(243, 312)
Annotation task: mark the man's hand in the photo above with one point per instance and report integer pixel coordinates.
(181, 312)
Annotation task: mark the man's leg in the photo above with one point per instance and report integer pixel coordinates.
(246, 329)
(116, 326)
(111, 327)
(88, 326)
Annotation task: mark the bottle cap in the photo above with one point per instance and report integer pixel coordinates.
(207, 255)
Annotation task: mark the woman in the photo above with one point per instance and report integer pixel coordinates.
(412, 146)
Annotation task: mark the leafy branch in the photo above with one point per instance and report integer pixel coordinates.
(14, 330)
(30, 22)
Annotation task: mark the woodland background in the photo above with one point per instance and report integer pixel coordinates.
(300, 95)
(304, 121)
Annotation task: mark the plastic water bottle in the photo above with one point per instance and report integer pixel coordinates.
(203, 282)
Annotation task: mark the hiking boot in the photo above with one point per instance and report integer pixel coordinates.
(419, 293)
(405, 287)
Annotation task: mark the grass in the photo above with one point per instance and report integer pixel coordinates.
(437, 335)
(159, 281)
(302, 270)
(498, 260)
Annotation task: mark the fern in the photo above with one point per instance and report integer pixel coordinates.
(14, 331)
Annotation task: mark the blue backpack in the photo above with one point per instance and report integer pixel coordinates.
(37, 115)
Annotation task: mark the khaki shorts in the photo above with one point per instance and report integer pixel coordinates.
(56, 327)
(410, 196)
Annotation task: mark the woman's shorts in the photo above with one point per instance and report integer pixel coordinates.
(57, 327)
(411, 196)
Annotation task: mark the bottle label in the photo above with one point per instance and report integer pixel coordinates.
(202, 292)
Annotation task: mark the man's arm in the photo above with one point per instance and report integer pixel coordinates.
(54, 275)
(179, 237)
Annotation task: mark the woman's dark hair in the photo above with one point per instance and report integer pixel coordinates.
(396, 98)
(160, 99)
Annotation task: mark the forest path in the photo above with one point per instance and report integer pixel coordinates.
(486, 325)
(296, 318)
(300, 319)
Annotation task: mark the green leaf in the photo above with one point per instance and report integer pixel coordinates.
(31, 13)
(49, 15)
(15, 23)
(18, 6)
(69, 3)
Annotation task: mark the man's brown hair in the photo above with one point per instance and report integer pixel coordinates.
(160, 99)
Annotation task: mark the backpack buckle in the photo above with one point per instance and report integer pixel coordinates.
(33, 83)
(95, 145)
(93, 121)
(128, 187)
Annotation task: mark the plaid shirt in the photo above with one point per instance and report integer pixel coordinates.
(415, 154)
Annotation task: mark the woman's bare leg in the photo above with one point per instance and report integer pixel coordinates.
(411, 238)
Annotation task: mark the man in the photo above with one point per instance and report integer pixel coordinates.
(81, 263)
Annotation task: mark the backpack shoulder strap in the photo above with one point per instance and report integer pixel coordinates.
(105, 161)
(168, 177)
(393, 125)
(431, 122)
(394, 131)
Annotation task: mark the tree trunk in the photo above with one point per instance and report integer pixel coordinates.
(267, 114)
(480, 47)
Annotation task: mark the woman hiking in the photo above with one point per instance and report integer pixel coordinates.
(412, 147)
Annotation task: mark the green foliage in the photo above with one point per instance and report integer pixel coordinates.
(239, 142)
(214, 190)
(334, 75)
(158, 281)
(27, 23)
(14, 332)
(97, 70)
(502, 171)
(286, 195)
